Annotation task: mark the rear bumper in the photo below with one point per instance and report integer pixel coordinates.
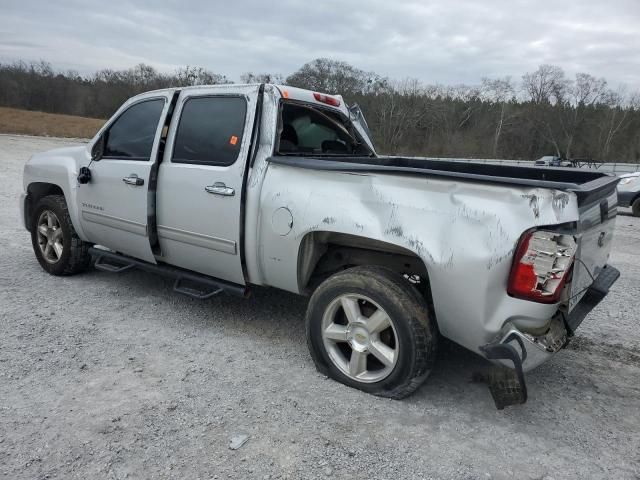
(595, 294)
(535, 350)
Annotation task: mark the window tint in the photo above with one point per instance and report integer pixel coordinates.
(133, 132)
(210, 131)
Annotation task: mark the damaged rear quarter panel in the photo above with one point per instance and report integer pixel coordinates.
(464, 232)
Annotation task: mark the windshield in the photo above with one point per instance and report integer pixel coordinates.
(306, 130)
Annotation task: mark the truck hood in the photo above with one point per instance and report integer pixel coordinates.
(627, 175)
(59, 152)
(59, 166)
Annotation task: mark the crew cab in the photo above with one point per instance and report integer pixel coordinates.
(231, 186)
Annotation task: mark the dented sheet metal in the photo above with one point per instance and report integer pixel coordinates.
(465, 233)
(463, 225)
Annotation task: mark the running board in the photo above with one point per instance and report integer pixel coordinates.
(188, 283)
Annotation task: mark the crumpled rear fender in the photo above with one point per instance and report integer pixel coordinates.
(464, 232)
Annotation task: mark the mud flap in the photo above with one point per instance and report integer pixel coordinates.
(507, 386)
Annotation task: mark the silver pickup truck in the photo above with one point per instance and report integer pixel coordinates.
(226, 187)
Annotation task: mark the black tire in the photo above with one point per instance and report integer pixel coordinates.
(635, 207)
(75, 256)
(414, 331)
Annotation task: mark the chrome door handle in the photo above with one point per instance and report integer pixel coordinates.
(220, 188)
(134, 180)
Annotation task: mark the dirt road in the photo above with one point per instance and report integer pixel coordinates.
(115, 376)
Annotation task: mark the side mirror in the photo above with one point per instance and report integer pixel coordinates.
(98, 149)
(84, 175)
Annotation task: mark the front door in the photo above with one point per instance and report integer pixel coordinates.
(200, 181)
(114, 208)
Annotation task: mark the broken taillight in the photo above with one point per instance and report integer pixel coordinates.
(541, 266)
(328, 99)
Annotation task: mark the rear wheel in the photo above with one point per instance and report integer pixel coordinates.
(635, 207)
(368, 328)
(55, 242)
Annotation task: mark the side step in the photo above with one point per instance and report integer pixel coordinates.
(193, 284)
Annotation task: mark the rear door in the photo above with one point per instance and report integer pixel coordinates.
(200, 180)
(114, 206)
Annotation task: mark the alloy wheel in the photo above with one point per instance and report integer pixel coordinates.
(50, 238)
(360, 338)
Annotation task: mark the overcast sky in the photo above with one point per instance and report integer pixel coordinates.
(447, 41)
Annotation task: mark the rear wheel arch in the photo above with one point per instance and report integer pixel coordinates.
(322, 254)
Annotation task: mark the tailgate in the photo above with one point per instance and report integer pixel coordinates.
(594, 237)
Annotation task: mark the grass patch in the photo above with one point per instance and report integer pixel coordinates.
(26, 122)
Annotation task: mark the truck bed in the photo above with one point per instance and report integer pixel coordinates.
(588, 185)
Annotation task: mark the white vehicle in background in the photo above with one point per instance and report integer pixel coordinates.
(552, 161)
(230, 186)
(629, 192)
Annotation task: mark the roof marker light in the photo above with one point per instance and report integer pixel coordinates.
(329, 100)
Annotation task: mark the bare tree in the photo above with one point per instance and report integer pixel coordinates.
(583, 94)
(334, 76)
(545, 88)
(187, 76)
(499, 91)
(579, 117)
(616, 117)
(399, 110)
(546, 85)
(250, 77)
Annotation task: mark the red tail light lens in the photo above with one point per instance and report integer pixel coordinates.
(329, 100)
(541, 265)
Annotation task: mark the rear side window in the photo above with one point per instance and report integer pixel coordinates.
(310, 131)
(210, 131)
(131, 136)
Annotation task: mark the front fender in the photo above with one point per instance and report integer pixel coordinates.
(60, 168)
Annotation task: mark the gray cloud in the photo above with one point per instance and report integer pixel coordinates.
(454, 41)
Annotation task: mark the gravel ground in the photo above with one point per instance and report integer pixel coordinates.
(116, 376)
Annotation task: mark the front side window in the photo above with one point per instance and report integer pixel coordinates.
(131, 136)
(210, 131)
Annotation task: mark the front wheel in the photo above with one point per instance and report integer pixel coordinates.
(56, 244)
(368, 328)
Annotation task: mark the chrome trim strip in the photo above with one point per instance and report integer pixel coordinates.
(115, 222)
(197, 239)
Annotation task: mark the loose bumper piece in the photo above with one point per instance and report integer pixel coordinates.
(595, 294)
(522, 351)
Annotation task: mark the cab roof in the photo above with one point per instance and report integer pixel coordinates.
(284, 91)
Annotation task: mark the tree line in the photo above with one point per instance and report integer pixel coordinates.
(542, 113)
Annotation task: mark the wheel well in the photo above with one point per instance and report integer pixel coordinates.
(35, 191)
(324, 253)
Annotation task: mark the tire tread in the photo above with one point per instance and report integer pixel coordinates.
(423, 328)
(79, 258)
